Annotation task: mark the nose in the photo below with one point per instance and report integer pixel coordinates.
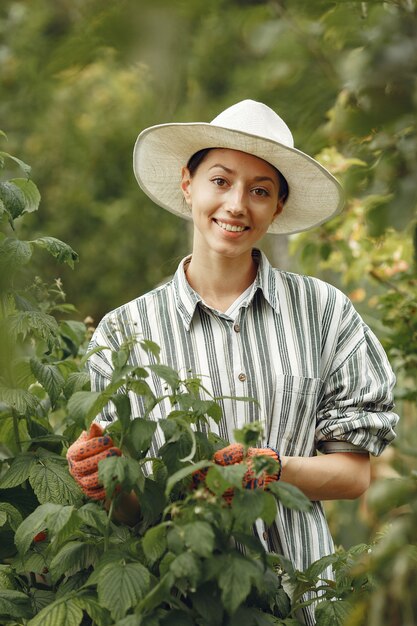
(236, 203)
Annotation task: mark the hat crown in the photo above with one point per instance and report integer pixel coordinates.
(255, 118)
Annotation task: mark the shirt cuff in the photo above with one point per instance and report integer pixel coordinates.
(330, 447)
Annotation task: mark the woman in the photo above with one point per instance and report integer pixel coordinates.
(295, 343)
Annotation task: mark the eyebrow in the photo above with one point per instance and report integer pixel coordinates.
(258, 179)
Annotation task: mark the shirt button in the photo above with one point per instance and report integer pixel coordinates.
(236, 328)
(242, 377)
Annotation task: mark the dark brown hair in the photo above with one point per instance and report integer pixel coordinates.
(198, 157)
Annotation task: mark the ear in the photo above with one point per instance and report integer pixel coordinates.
(278, 210)
(186, 184)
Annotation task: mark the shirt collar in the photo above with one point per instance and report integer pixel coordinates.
(187, 299)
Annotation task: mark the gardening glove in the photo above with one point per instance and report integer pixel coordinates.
(84, 456)
(233, 454)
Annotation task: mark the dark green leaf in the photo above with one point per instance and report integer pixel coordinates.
(50, 378)
(30, 194)
(186, 565)
(140, 435)
(22, 401)
(63, 612)
(19, 470)
(247, 506)
(154, 542)
(14, 604)
(184, 472)
(72, 557)
(23, 166)
(121, 585)
(51, 482)
(14, 254)
(334, 613)
(221, 478)
(59, 250)
(123, 408)
(166, 373)
(199, 537)
(12, 199)
(235, 575)
(24, 323)
(115, 470)
(289, 496)
(33, 524)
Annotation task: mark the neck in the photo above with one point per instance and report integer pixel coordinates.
(218, 280)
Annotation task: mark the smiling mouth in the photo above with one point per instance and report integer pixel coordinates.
(231, 228)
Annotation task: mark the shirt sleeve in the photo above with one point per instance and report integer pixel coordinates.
(355, 411)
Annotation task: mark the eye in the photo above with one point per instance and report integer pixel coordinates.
(219, 181)
(261, 192)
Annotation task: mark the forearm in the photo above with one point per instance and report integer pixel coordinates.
(127, 509)
(338, 476)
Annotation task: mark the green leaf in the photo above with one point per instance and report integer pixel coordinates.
(168, 374)
(76, 381)
(12, 199)
(50, 378)
(316, 568)
(121, 586)
(18, 471)
(24, 323)
(221, 478)
(13, 515)
(93, 515)
(30, 194)
(235, 574)
(98, 614)
(250, 434)
(123, 408)
(32, 525)
(150, 347)
(14, 604)
(247, 506)
(154, 542)
(22, 401)
(23, 166)
(14, 254)
(199, 537)
(83, 406)
(186, 565)
(332, 613)
(289, 496)
(140, 435)
(41, 598)
(58, 249)
(7, 580)
(63, 612)
(118, 470)
(183, 473)
(51, 482)
(73, 557)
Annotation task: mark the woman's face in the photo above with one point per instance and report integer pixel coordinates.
(233, 198)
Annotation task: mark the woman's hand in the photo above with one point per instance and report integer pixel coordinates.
(83, 458)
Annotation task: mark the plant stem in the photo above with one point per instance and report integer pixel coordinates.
(15, 417)
(109, 518)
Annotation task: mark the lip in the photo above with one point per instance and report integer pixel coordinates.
(232, 225)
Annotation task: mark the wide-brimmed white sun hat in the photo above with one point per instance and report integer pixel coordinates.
(161, 151)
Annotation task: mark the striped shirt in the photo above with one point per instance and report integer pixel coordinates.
(320, 377)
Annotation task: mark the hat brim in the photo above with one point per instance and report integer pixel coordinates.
(161, 151)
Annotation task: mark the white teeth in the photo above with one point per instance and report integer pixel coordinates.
(231, 228)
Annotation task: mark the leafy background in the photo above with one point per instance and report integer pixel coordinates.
(79, 80)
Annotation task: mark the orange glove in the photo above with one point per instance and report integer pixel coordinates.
(83, 458)
(233, 454)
